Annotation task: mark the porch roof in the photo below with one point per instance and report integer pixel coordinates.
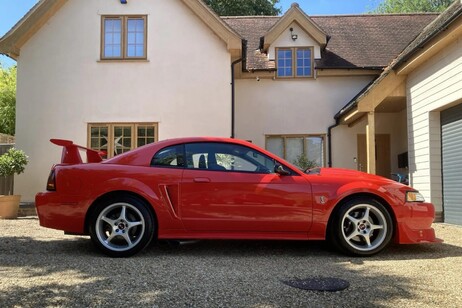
(422, 41)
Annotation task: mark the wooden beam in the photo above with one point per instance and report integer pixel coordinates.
(357, 120)
(380, 91)
(321, 72)
(447, 37)
(370, 143)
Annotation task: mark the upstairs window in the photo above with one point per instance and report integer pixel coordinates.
(123, 37)
(294, 62)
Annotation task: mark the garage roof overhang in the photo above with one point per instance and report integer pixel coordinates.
(387, 93)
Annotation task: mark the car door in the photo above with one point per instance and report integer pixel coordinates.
(230, 187)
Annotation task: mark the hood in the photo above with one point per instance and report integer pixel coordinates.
(348, 173)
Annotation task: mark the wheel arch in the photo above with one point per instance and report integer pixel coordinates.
(350, 197)
(113, 195)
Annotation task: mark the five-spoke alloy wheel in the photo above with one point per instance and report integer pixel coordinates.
(362, 227)
(122, 227)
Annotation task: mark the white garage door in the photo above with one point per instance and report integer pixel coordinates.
(451, 137)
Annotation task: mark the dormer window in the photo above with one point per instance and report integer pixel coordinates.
(294, 62)
(123, 37)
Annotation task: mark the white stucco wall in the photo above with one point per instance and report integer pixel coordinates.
(285, 40)
(293, 105)
(62, 85)
(301, 106)
(433, 87)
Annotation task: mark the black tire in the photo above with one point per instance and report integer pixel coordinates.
(121, 227)
(361, 227)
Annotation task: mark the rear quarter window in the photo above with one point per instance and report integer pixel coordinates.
(170, 157)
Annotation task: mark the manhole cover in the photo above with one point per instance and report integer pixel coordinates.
(318, 284)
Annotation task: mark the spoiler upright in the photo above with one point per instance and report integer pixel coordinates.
(71, 154)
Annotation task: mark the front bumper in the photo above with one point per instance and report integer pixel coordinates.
(61, 213)
(414, 224)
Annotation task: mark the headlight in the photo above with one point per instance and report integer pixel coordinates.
(414, 196)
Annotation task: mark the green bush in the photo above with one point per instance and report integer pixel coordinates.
(304, 163)
(13, 162)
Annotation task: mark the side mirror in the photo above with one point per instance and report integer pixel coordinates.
(280, 170)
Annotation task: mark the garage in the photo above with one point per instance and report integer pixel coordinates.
(451, 141)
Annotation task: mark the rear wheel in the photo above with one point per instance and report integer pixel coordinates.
(362, 227)
(121, 227)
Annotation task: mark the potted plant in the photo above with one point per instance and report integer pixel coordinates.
(12, 162)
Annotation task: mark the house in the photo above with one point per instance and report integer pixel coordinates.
(115, 75)
(423, 86)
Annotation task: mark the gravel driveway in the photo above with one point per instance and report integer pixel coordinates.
(43, 267)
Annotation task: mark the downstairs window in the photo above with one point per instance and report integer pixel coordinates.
(116, 138)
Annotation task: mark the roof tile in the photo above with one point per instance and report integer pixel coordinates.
(356, 41)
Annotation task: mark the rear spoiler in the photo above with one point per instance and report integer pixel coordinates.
(71, 152)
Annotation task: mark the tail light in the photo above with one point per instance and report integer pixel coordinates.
(51, 183)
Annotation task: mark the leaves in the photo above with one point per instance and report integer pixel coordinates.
(411, 6)
(13, 162)
(7, 100)
(304, 163)
(244, 7)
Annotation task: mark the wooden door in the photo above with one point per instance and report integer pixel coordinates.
(382, 152)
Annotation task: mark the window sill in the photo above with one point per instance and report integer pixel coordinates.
(121, 60)
(294, 78)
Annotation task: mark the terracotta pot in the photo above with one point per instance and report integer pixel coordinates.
(9, 206)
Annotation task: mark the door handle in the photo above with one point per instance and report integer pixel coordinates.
(201, 180)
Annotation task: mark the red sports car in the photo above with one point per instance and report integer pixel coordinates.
(217, 188)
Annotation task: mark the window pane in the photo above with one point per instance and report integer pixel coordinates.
(135, 37)
(275, 145)
(141, 131)
(315, 151)
(259, 158)
(139, 51)
(225, 157)
(169, 157)
(122, 139)
(131, 38)
(304, 62)
(131, 51)
(112, 38)
(99, 140)
(294, 148)
(284, 61)
(145, 135)
(139, 37)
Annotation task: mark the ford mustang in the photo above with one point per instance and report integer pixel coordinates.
(219, 188)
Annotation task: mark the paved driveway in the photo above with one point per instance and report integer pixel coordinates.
(42, 267)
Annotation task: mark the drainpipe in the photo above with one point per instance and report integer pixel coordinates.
(329, 141)
(233, 98)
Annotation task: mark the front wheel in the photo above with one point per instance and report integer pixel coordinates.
(122, 227)
(362, 227)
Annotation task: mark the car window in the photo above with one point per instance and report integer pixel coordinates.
(169, 157)
(227, 157)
